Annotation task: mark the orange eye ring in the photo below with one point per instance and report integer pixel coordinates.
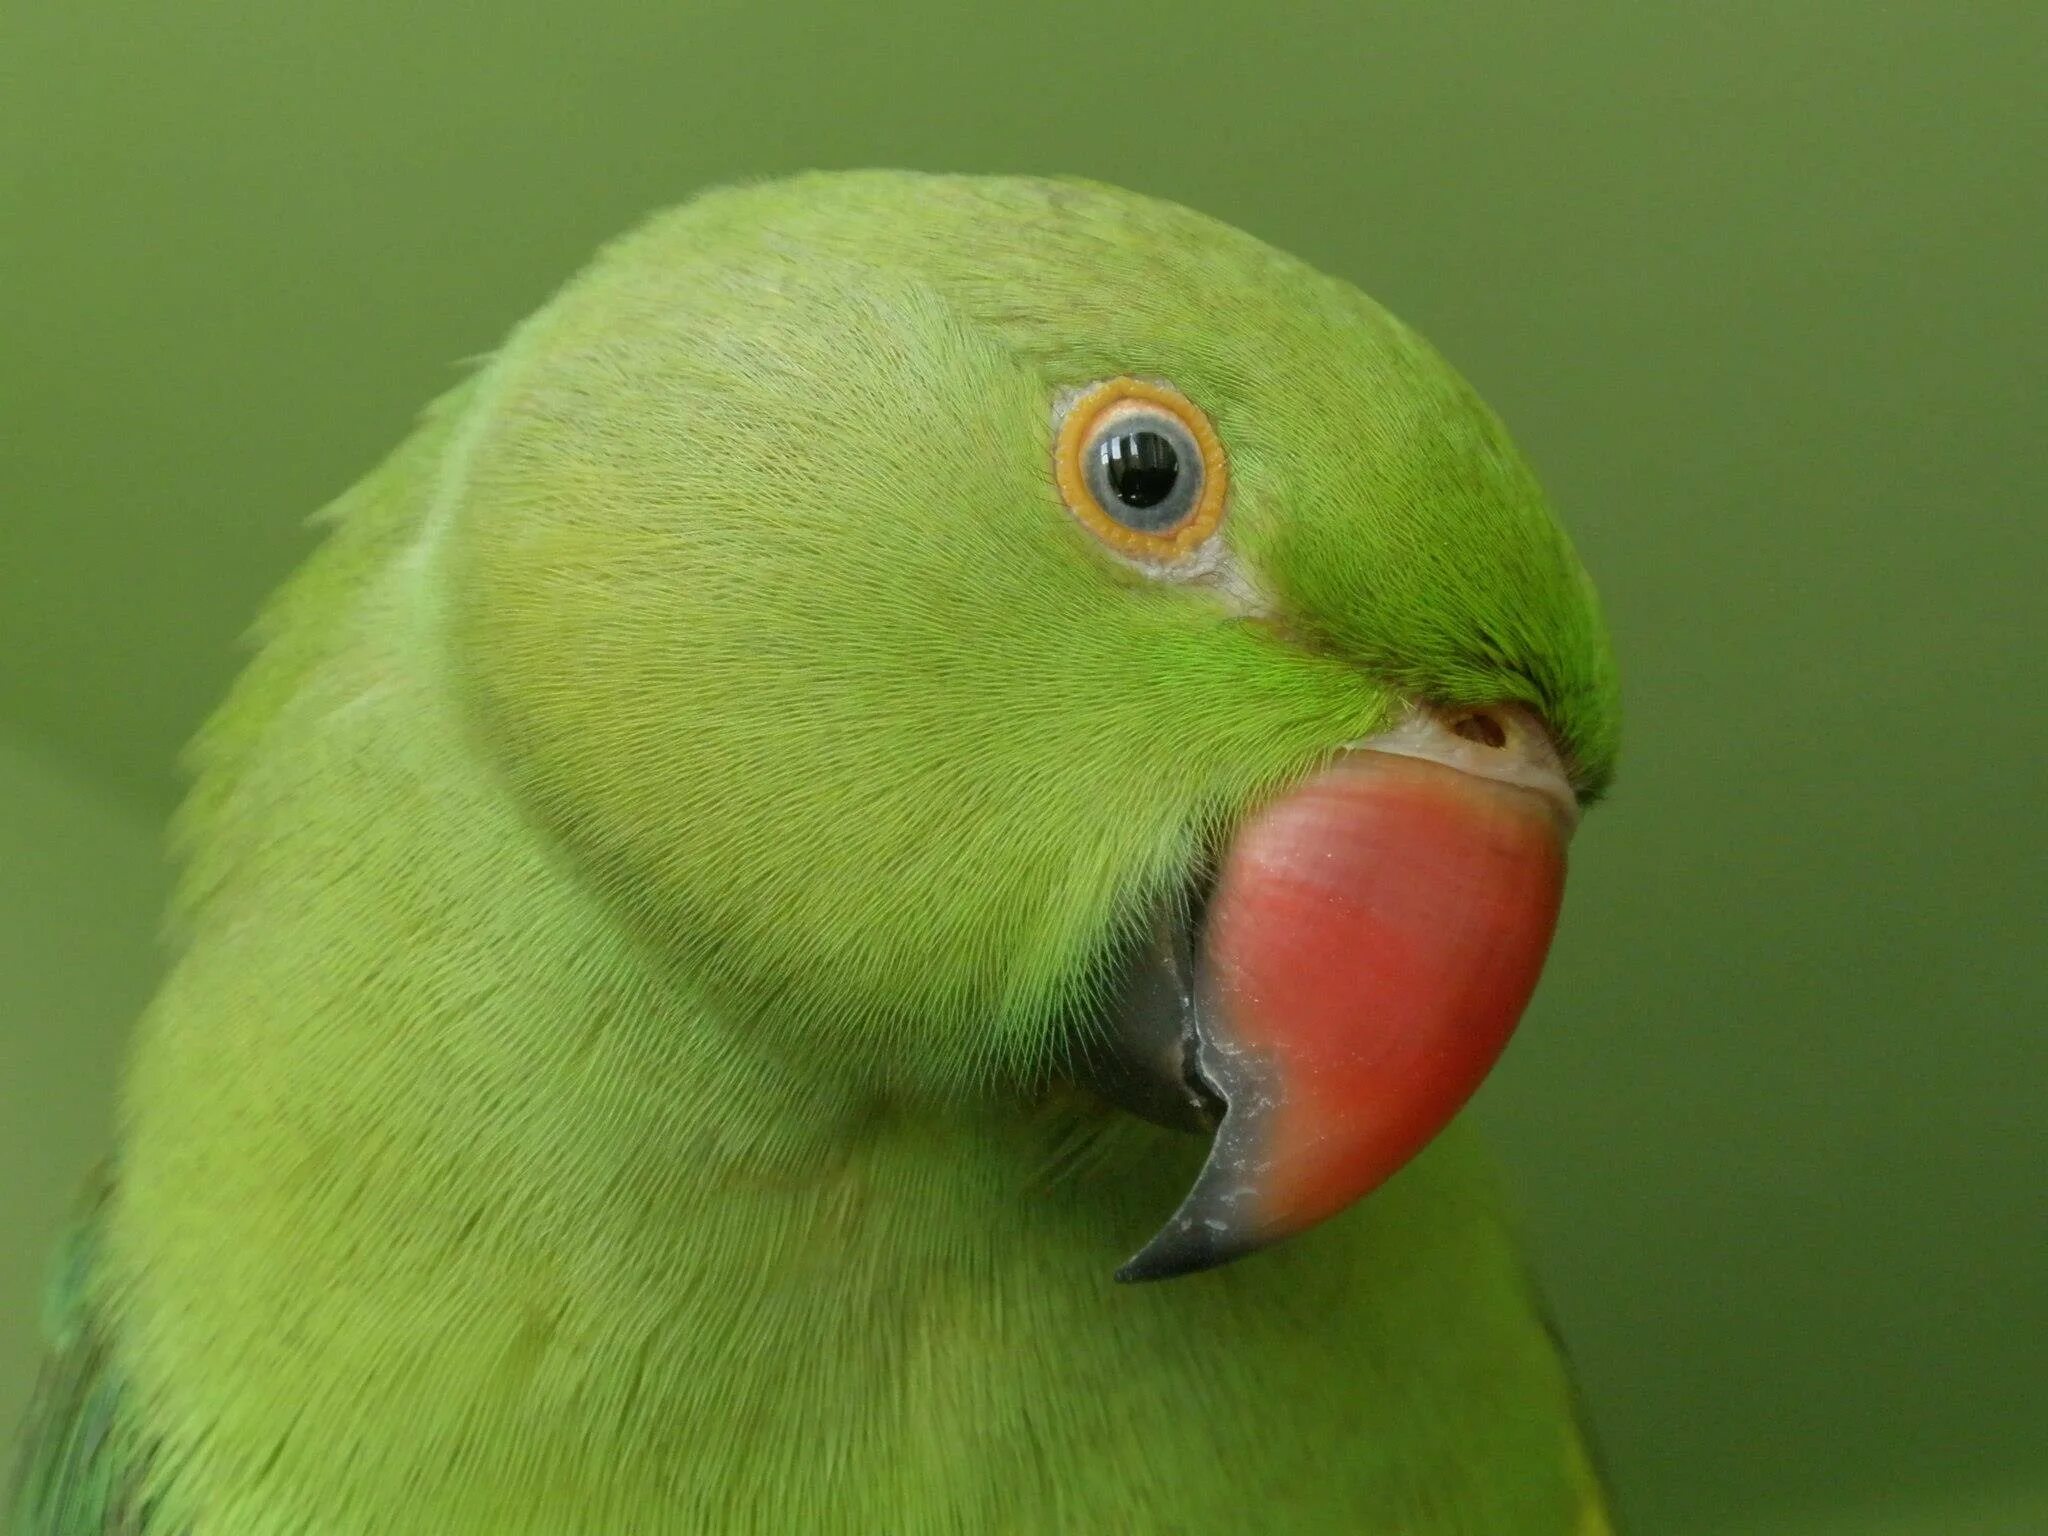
(1155, 411)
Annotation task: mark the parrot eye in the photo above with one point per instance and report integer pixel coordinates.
(1142, 469)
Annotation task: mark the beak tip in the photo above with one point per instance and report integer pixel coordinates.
(1185, 1248)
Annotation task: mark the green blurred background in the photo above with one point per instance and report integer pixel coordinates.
(1759, 288)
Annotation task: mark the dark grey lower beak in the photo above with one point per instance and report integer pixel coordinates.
(1145, 1060)
(1163, 1058)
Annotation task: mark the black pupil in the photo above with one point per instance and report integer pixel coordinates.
(1140, 467)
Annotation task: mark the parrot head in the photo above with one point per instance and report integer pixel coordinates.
(982, 633)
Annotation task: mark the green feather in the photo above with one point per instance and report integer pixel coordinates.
(639, 899)
(79, 1469)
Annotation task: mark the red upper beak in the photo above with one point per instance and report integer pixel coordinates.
(1374, 936)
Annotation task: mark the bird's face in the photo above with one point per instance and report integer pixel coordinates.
(988, 630)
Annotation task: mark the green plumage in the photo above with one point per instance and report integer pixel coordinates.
(641, 897)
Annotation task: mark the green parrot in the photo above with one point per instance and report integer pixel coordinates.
(914, 769)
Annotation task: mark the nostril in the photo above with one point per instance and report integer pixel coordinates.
(1482, 728)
